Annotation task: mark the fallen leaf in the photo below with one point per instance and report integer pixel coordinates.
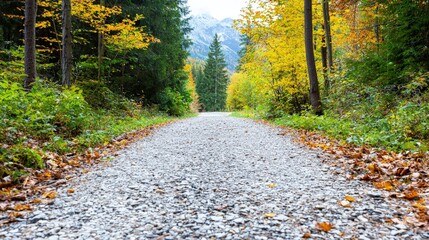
(50, 195)
(160, 191)
(306, 235)
(70, 191)
(269, 215)
(350, 198)
(36, 200)
(14, 215)
(272, 185)
(412, 194)
(344, 203)
(324, 226)
(22, 207)
(387, 185)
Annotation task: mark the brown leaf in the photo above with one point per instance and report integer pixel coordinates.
(22, 207)
(14, 215)
(324, 226)
(70, 191)
(306, 235)
(50, 195)
(402, 171)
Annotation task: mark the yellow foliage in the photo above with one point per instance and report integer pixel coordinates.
(192, 88)
(121, 36)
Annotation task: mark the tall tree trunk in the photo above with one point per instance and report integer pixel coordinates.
(67, 55)
(311, 64)
(328, 35)
(325, 66)
(30, 42)
(100, 47)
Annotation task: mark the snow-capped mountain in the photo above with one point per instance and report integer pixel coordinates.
(205, 27)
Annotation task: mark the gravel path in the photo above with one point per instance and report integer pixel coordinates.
(213, 176)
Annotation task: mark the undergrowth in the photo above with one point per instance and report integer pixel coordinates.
(50, 119)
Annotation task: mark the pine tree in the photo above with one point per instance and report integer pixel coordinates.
(212, 88)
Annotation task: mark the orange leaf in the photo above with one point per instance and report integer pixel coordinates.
(50, 195)
(324, 226)
(350, 198)
(384, 185)
(411, 194)
(22, 207)
(36, 200)
(70, 191)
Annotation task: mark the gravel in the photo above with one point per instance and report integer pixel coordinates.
(214, 176)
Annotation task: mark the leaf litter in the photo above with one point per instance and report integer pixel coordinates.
(17, 198)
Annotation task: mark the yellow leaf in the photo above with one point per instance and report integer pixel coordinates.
(272, 185)
(269, 215)
(50, 195)
(350, 198)
(22, 207)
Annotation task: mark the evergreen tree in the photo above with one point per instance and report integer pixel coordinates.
(212, 88)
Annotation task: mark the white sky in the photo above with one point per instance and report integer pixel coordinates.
(219, 9)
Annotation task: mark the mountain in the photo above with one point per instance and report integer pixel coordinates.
(205, 27)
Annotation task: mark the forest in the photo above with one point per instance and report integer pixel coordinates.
(75, 75)
(369, 81)
(80, 79)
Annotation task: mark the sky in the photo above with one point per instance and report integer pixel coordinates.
(219, 9)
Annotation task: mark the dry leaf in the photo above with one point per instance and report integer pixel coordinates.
(344, 203)
(269, 215)
(387, 185)
(36, 200)
(14, 215)
(350, 198)
(272, 185)
(22, 207)
(70, 191)
(306, 235)
(413, 194)
(50, 195)
(324, 226)
(160, 191)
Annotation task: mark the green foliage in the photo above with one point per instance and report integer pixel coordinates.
(212, 87)
(174, 103)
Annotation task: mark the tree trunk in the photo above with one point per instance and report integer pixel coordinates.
(100, 47)
(311, 64)
(328, 35)
(67, 56)
(30, 42)
(325, 66)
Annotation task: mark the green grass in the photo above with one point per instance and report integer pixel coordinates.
(380, 133)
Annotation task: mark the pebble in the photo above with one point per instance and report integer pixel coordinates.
(207, 178)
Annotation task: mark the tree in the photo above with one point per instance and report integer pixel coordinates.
(212, 89)
(30, 42)
(311, 65)
(67, 56)
(327, 47)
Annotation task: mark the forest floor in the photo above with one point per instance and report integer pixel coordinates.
(216, 176)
